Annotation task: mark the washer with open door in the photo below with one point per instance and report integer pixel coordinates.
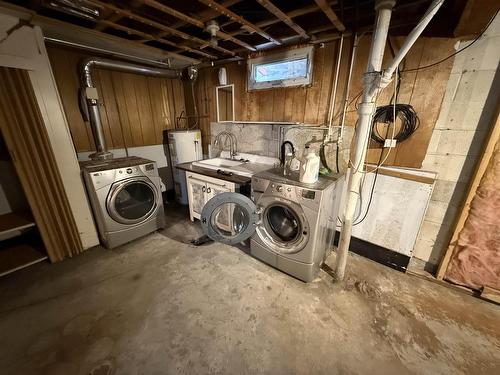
(125, 194)
(290, 224)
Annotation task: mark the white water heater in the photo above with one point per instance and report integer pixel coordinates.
(184, 146)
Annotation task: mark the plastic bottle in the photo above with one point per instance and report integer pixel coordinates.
(309, 167)
(286, 167)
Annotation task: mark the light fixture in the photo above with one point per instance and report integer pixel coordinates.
(212, 27)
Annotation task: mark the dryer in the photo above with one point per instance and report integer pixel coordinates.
(291, 225)
(125, 195)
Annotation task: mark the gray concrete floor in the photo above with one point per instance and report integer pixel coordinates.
(160, 306)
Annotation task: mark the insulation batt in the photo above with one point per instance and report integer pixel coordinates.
(475, 260)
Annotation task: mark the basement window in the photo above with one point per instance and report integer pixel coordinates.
(283, 69)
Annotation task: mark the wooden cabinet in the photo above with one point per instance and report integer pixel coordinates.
(201, 189)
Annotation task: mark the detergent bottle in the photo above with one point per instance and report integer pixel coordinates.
(309, 167)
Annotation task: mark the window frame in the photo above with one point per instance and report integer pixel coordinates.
(285, 56)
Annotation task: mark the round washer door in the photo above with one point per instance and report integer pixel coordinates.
(284, 227)
(132, 201)
(229, 218)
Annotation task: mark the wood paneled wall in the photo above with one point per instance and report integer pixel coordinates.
(424, 89)
(135, 109)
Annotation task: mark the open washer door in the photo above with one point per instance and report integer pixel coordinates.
(229, 218)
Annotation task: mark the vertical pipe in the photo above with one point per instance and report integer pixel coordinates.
(334, 93)
(348, 86)
(373, 82)
(365, 111)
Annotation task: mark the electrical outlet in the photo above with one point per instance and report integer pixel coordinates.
(389, 143)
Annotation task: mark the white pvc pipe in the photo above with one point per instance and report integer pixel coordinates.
(348, 87)
(413, 36)
(365, 111)
(334, 93)
(372, 84)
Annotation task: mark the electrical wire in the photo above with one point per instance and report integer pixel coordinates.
(456, 52)
(388, 114)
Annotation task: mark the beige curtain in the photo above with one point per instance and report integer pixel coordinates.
(26, 137)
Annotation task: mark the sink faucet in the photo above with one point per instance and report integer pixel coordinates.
(233, 144)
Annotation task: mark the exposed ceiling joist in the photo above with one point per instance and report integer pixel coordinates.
(129, 14)
(292, 14)
(225, 11)
(66, 33)
(113, 18)
(193, 21)
(283, 17)
(325, 7)
(208, 14)
(154, 38)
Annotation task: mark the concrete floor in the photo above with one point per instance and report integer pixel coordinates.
(159, 306)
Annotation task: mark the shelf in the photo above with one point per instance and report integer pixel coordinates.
(19, 256)
(15, 221)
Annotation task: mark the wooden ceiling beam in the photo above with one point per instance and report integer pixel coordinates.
(196, 22)
(113, 18)
(325, 7)
(228, 13)
(208, 14)
(170, 31)
(283, 17)
(154, 38)
(292, 14)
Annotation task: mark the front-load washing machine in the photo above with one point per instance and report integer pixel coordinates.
(290, 224)
(125, 195)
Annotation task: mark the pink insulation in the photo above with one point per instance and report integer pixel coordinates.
(475, 261)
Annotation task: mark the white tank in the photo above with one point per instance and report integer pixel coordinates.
(184, 146)
(309, 167)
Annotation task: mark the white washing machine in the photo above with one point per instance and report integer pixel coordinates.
(290, 224)
(125, 194)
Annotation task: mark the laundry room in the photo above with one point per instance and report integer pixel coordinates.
(249, 186)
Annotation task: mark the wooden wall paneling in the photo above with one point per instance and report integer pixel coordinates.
(167, 104)
(326, 82)
(26, 137)
(138, 106)
(132, 109)
(278, 104)
(237, 77)
(312, 95)
(122, 108)
(178, 96)
(155, 93)
(109, 111)
(265, 103)
(64, 66)
(144, 109)
(429, 88)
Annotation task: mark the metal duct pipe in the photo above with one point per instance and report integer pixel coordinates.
(91, 96)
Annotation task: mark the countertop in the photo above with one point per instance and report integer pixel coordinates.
(189, 167)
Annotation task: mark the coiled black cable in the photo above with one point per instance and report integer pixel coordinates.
(405, 112)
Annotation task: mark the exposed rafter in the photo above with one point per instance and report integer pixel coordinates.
(283, 17)
(208, 14)
(292, 14)
(129, 14)
(228, 13)
(325, 7)
(154, 38)
(193, 21)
